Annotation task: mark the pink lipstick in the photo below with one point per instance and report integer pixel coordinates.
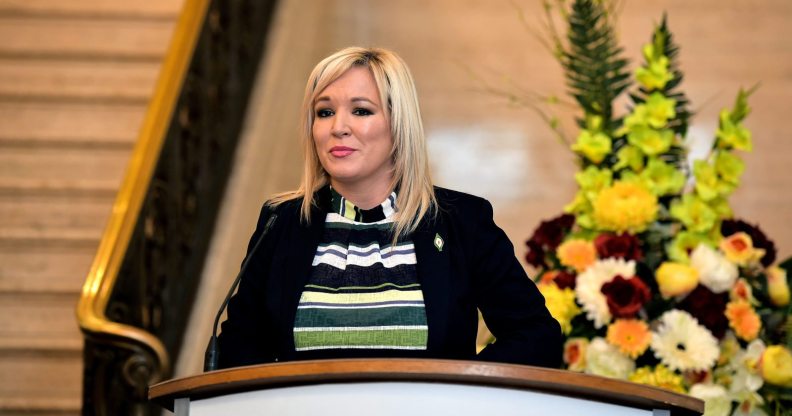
(341, 151)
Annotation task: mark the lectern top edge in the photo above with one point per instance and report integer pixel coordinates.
(559, 382)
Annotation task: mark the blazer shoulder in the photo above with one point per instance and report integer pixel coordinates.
(458, 202)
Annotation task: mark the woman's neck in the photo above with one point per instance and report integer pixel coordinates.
(364, 196)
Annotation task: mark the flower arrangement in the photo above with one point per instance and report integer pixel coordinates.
(651, 277)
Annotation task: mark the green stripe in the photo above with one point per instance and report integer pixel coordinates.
(395, 315)
(399, 338)
(334, 289)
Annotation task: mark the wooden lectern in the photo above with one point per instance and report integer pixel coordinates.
(411, 387)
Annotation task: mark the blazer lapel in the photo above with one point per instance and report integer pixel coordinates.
(434, 267)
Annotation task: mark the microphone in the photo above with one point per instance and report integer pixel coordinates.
(212, 355)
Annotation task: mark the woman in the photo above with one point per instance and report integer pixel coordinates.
(367, 258)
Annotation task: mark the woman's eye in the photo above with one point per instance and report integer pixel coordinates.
(362, 112)
(324, 113)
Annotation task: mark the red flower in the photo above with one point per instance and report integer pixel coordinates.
(565, 280)
(626, 296)
(709, 308)
(546, 238)
(624, 246)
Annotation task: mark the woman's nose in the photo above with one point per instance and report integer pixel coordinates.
(340, 127)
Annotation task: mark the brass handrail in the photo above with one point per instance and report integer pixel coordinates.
(127, 206)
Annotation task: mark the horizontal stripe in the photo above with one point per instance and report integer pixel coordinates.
(358, 226)
(342, 339)
(341, 260)
(377, 274)
(339, 219)
(353, 298)
(336, 289)
(359, 328)
(361, 347)
(319, 305)
(360, 317)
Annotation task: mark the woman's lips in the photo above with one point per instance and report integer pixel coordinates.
(341, 151)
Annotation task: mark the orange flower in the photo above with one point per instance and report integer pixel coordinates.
(739, 249)
(577, 254)
(743, 319)
(631, 336)
(741, 291)
(575, 353)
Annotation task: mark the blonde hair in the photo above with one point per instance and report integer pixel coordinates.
(415, 197)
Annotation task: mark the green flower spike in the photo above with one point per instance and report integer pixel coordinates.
(682, 244)
(651, 142)
(654, 75)
(593, 145)
(592, 180)
(732, 134)
(729, 167)
(694, 213)
(662, 178)
(629, 157)
(659, 110)
(708, 185)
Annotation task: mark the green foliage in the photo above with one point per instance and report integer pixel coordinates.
(595, 70)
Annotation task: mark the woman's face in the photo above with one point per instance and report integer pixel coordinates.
(352, 132)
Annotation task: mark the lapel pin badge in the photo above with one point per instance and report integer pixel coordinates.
(438, 242)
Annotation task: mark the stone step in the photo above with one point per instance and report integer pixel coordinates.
(42, 164)
(39, 383)
(86, 38)
(87, 212)
(39, 321)
(44, 268)
(166, 9)
(70, 123)
(70, 80)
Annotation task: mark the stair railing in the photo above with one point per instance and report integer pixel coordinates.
(137, 296)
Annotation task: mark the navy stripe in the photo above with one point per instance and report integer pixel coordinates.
(354, 305)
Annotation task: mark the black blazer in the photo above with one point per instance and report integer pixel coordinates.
(476, 268)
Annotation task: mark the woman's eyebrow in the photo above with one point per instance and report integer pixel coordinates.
(356, 99)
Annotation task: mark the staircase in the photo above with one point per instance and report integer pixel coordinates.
(75, 79)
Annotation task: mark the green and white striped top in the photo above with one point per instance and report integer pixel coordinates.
(363, 292)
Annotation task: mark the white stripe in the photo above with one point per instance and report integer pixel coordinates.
(357, 328)
(335, 217)
(401, 305)
(367, 347)
(340, 261)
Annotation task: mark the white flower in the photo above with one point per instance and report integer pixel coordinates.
(716, 399)
(716, 272)
(682, 344)
(589, 285)
(603, 359)
(745, 365)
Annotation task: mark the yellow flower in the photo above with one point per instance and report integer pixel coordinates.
(661, 376)
(743, 319)
(630, 336)
(739, 249)
(778, 286)
(625, 207)
(776, 366)
(593, 145)
(729, 167)
(577, 253)
(742, 291)
(575, 353)
(560, 303)
(676, 279)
